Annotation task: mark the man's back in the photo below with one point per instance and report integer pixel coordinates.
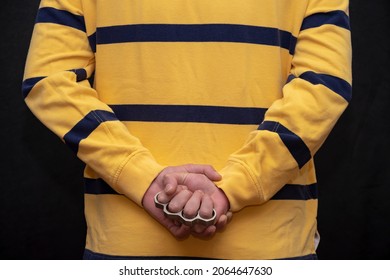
(251, 87)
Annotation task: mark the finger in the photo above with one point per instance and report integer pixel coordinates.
(198, 228)
(172, 180)
(229, 216)
(177, 229)
(221, 223)
(207, 232)
(179, 201)
(192, 206)
(180, 231)
(164, 197)
(206, 207)
(205, 169)
(205, 211)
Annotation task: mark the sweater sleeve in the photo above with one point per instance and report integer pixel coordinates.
(316, 93)
(57, 90)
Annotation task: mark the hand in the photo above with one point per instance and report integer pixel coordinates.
(178, 230)
(206, 196)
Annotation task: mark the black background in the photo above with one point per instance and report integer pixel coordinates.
(41, 191)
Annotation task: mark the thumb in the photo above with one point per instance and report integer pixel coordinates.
(172, 181)
(204, 169)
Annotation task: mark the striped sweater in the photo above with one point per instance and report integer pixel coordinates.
(251, 87)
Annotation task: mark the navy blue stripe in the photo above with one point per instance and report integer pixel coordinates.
(297, 192)
(97, 186)
(92, 41)
(290, 78)
(90, 255)
(338, 18)
(86, 126)
(28, 85)
(196, 33)
(52, 15)
(293, 142)
(288, 192)
(306, 257)
(339, 86)
(81, 74)
(186, 113)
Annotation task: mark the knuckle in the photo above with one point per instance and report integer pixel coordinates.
(189, 213)
(198, 193)
(205, 213)
(186, 192)
(173, 207)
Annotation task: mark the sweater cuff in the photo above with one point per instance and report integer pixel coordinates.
(136, 176)
(239, 186)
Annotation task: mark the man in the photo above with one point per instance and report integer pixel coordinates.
(250, 88)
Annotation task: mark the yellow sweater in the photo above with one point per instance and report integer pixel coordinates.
(251, 87)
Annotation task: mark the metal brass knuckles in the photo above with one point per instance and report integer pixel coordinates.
(180, 217)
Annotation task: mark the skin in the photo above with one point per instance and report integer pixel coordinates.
(189, 188)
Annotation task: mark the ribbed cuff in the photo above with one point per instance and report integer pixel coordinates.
(239, 186)
(136, 175)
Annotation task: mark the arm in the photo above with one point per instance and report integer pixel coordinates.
(315, 95)
(57, 91)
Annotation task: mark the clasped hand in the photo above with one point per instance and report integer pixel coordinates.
(191, 189)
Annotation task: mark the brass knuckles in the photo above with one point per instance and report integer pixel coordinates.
(180, 217)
